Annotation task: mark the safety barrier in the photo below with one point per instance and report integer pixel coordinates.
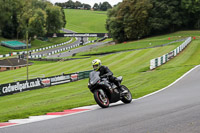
(154, 63)
(46, 48)
(38, 83)
(58, 50)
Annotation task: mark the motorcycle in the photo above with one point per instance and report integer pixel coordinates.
(106, 92)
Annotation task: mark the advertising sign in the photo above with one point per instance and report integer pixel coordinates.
(46, 82)
(60, 79)
(78, 35)
(74, 77)
(14, 87)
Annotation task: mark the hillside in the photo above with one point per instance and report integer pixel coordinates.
(132, 65)
(85, 21)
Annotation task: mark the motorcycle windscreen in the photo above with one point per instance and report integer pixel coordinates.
(94, 77)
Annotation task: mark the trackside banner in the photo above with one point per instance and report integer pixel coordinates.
(20, 86)
(56, 80)
(78, 35)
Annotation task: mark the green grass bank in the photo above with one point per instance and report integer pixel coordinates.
(132, 65)
(86, 21)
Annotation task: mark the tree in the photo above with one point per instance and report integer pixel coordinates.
(23, 17)
(8, 20)
(96, 6)
(105, 6)
(166, 16)
(19, 16)
(37, 23)
(54, 19)
(64, 18)
(70, 4)
(100, 5)
(60, 5)
(87, 6)
(5, 13)
(114, 25)
(74, 5)
(77, 4)
(193, 6)
(42, 4)
(192, 10)
(128, 20)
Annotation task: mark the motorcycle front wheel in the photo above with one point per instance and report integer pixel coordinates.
(101, 99)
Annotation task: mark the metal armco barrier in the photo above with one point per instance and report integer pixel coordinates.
(154, 63)
(38, 83)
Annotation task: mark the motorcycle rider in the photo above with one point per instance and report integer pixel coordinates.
(106, 73)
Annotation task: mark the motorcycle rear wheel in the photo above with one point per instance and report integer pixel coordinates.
(127, 98)
(101, 100)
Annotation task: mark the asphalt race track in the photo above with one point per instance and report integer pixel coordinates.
(65, 46)
(78, 50)
(175, 109)
(57, 48)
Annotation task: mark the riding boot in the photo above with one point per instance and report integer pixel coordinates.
(120, 88)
